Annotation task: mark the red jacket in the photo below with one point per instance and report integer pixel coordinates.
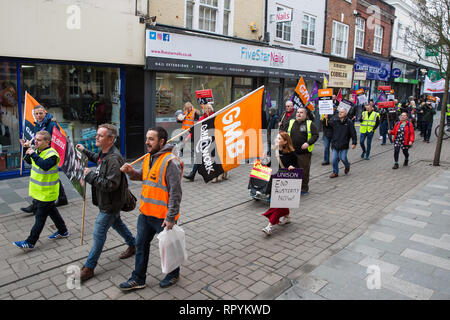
(409, 132)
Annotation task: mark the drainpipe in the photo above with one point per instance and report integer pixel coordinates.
(266, 5)
(325, 26)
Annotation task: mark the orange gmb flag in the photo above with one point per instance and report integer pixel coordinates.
(29, 119)
(230, 136)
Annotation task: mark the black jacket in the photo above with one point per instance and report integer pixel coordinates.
(327, 128)
(299, 136)
(285, 121)
(342, 132)
(106, 180)
(428, 113)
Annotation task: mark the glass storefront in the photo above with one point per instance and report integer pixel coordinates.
(79, 97)
(173, 90)
(9, 118)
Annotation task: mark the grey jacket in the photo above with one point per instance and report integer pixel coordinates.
(174, 172)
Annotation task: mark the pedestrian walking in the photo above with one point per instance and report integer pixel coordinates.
(369, 123)
(327, 135)
(45, 122)
(160, 203)
(108, 194)
(287, 116)
(403, 133)
(343, 131)
(304, 134)
(188, 119)
(427, 120)
(43, 188)
(286, 159)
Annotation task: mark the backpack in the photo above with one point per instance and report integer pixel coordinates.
(130, 200)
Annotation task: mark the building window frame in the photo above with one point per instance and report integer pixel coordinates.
(283, 30)
(360, 32)
(310, 23)
(378, 39)
(223, 16)
(342, 37)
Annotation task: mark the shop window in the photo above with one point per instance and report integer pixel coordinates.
(173, 90)
(9, 118)
(79, 97)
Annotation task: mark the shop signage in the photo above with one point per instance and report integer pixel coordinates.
(359, 75)
(403, 80)
(375, 69)
(396, 73)
(189, 53)
(284, 15)
(340, 75)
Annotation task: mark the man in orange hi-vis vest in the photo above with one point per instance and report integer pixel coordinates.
(187, 122)
(160, 202)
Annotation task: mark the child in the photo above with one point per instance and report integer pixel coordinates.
(287, 159)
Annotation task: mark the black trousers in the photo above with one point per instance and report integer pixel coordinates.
(397, 153)
(44, 210)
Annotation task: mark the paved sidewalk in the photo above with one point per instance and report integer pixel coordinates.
(229, 256)
(409, 249)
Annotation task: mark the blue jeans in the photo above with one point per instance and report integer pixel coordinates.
(147, 228)
(326, 149)
(102, 224)
(384, 130)
(369, 136)
(339, 155)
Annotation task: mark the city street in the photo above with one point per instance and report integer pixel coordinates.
(396, 220)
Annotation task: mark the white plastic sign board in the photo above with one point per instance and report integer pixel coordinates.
(326, 106)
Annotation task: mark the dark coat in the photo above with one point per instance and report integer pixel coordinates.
(106, 180)
(47, 124)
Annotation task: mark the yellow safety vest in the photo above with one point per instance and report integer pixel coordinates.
(44, 185)
(368, 123)
(155, 196)
(448, 110)
(308, 129)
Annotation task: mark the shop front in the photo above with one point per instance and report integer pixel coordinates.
(376, 71)
(404, 80)
(178, 64)
(79, 96)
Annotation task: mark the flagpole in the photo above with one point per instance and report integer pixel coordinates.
(23, 131)
(84, 211)
(211, 116)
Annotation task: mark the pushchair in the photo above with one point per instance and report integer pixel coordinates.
(260, 182)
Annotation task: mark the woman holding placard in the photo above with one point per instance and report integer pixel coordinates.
(286, 159)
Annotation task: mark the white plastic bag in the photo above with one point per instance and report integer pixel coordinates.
(172, 248)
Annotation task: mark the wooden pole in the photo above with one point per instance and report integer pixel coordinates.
(84, 210)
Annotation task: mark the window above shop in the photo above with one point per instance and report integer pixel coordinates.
(360, 24)
(214, 16)
(283, 29)
(339, 41)
(377, 39)
(308, 30)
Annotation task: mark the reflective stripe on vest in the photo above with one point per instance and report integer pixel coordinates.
(368, 123)
(44, 185)
(308, 129)
(155, 196)
(188, 121)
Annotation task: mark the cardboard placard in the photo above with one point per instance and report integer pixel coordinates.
(384, 88)
(347, 105)
(386, 104)
(204, 96)
(325, 106)
(286, 188)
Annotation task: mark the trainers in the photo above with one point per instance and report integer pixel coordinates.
(168, 281)
(367, 158)
(130, 285)
(23, 245)
(303, 193)
(268, 230)
(285, 220)
(363, 154)
(57, 235)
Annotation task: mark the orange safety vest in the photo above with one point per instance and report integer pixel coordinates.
(188, 121)
(155, 196)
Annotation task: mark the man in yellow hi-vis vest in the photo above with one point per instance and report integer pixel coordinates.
(370, 121)
(44, 188)
(448, 114)
(160, 203)
(304, 134)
